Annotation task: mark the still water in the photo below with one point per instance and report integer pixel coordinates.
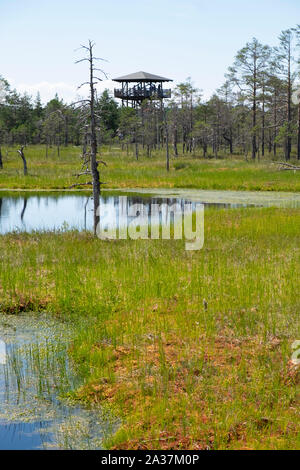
(74, 211)
(35, 376)
(35, 370)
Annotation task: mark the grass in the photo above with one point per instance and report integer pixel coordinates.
(178, 371)
(123, 171)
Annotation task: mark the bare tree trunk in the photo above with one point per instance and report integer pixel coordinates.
(21, 153)
(298, 137)
(94, 163)
(157, 129)
(270, 141)
(66, 131)
(167, 140)
(1, 161)
(47, 148)
(136, 150)
(93, 137)
(175, 142)
(275, 124)
(263, 124)
(143, 127)
(288, 141)
(58, 141)
(85, 143)
(254, 148)
(229, 140)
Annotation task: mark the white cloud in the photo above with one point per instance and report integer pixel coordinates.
(67, 91)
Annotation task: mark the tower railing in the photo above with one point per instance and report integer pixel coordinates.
(142, 93)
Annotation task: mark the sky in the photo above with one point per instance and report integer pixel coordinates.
(175, 38)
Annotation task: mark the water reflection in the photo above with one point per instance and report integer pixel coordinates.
(24, 209)
(71, 212)
(35, 373)
(75, 211)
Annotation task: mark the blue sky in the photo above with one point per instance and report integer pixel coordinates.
(174, 38)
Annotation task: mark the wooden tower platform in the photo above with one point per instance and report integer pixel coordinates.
(139, 86)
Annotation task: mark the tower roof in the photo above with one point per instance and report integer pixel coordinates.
(142, 77)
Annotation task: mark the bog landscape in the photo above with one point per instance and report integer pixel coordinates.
(139, 343)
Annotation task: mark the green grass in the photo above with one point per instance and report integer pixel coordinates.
(123, 171)
(178, 375)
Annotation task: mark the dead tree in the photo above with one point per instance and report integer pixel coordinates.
(167, 138)
(92, 155)
(21, 153)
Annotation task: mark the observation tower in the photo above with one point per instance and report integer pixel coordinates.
(139, 86)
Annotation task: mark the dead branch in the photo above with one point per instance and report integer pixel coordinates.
(80, 101)
(88, 172)
(89, 183)
(287, 166)
(82, 84)
(81, 60)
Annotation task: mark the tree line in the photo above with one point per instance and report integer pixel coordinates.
(252, 113)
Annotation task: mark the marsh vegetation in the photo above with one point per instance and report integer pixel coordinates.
(191, 350)
(140, 344)
(36, 383)
(123, 171)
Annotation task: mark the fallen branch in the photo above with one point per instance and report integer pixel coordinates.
(287, 166)
(83, 173)
(89, 183)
